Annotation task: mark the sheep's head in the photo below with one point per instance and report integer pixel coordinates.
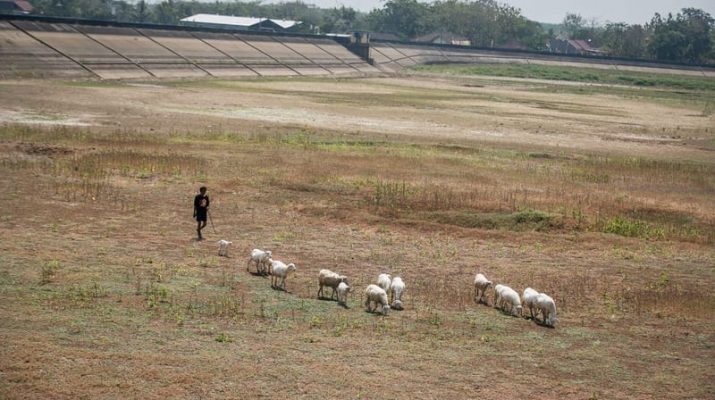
(489, 283)
(385, 309)
(292, 267)
(397, 305)
(344, 279)
(269, 255)
(519, 310)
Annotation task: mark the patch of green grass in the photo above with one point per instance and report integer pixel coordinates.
(518, 221)
(576, 74)
(633, 228)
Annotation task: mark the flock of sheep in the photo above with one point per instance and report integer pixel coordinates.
(376, 294)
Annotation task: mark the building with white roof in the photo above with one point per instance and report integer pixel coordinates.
(231, 22)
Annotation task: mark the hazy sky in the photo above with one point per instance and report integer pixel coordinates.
(631, 11)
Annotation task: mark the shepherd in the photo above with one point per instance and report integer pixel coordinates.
(201, 210)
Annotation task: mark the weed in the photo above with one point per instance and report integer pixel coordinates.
(48, 271)
(223, 338)
(633, 228)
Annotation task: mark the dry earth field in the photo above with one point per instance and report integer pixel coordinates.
(602, 196)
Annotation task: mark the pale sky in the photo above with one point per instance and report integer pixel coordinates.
(631, 11)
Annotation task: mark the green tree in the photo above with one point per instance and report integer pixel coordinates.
(685, 37)
(623, 40)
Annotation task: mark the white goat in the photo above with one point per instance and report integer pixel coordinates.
(261, 259)
(343, 290)
(330, 279)
(377, 295)
(280, 271)
(547, 307)
(509, 300)
(383, 281)
(223, 248)
(396, 288)
(481, 284)
(528, 300)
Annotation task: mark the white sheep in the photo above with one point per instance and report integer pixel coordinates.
(280, 271)
(223, 248)
(396, 288)
(497, 297)
(481, 284)
(383, 281)
(343, 290)
(377, 295)
(509, 300)
(528, 300)
(330, 279)
(261, 259)
(547, 307)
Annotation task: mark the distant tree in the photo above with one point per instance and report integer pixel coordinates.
(623, 40)
(406, 17)
(572, 25)
(685, 37)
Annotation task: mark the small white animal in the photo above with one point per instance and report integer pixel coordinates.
(509, 300)
(396, 288)
(343, 290)
(279, 272)
(375, 294)
(547, 307)
(261, 259)
(481, 284)
(497, 295)
(330, 279)
(528, 300)
(223, 248)
(383, 281)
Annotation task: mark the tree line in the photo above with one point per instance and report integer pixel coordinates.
(687, 36)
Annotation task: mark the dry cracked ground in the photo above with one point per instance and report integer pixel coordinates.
(603, 197)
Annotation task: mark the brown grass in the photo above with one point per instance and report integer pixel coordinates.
(105, 295)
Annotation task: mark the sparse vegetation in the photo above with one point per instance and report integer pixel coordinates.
(576, 74)
(620, 236)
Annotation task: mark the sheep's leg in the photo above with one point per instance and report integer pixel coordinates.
(320, 291)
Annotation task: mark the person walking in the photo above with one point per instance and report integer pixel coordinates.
(201, 210)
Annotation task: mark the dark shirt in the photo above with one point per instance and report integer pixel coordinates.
(201, 203)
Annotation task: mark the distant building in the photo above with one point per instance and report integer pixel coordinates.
(577, 47)
(444, 38)
(241, 23)
(15, 7)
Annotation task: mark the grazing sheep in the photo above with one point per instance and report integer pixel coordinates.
(383, 281)
(223, 248)
(330, 279)
(497, 296)
(396, 288)
(528, 300)
(547, 307)
(261, 259)
(377, 295)
(280, 271)
(509, 300)
(481, 284)
(343, 290)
